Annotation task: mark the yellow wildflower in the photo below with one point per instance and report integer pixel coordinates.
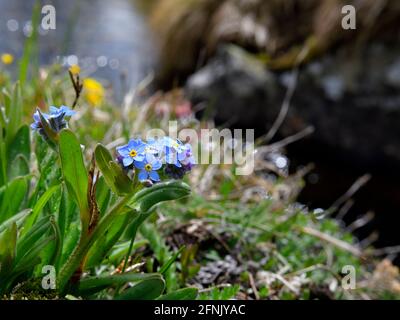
(7, 58)
(75, 69)
(94, 91)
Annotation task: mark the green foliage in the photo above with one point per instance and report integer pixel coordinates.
(163, 255)
(146, 199)
(12, 196)
(181, 294)
(225, 293)
(147, 289)
(64, 216)
(115, 178)
(74, 172)
(91, 285)
(103, 234)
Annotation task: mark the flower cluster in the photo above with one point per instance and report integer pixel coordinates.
(164, 156)
(56, 120)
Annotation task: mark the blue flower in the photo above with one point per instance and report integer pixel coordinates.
(133, 151)
(148, 168)
(37, 124)
(189, 160)
(56, 119)
(154, 147)
(177, 172)
(63, 110)
(175, 151)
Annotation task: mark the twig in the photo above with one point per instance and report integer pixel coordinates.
(360, 182)
(344, 209)
(328, 238)
(286, 102)
(253, 286)
(78, 86)
(364, 243)
(386, 251)
(91, 196)
(222, 285)
(365, 219)
(284, 108)
(313, 268)
(288, 140)
(286, 283)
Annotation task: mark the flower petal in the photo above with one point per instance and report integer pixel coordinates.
(139, 157)
(142, 175)
(123, 151)
(127, 161)
(54, 110)
(154, 176)
(140, 164)
(156, 164)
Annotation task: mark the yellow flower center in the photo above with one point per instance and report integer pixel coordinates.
(148, 167)
(133, 153)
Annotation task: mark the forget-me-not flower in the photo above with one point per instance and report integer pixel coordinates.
(133, 151)
(174, 151)
(148, 168)
(189, 160)
(56, 119)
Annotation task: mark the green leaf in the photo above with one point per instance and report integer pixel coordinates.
(104, 244)
(120, 250)
(147, 198)
(28, 241)
(49, 132)
(19, 218)
(92, 285)
(148, 289)
(103, 195)
(57, 250)
(14, 194)
(70, 241)
(14, 114)
(113, 174)
(67, 213)
(19, 153)
(170, 261)
(39, 207)
(75, 173)
(162, 254)
(84, 244)
(3, 113)
(181, 294)
(32, 257)
(8, 240)
(3, 160)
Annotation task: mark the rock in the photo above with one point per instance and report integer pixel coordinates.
(189, 32)
(236, 85)
(350, 97)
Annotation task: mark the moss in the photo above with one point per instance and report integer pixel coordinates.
(31, 290)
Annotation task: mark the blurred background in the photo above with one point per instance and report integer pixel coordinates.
(246, 63)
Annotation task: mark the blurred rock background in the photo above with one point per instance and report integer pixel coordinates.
(237, 57)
